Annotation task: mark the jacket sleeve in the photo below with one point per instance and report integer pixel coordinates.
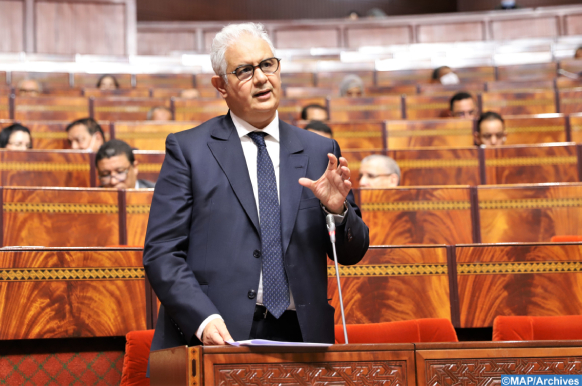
(352, 236)
(167, 241)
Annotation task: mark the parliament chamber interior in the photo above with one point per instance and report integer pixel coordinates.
(475, 262)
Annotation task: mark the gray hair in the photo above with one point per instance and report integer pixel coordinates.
(390, 166)
(227, 37)
(351, 81)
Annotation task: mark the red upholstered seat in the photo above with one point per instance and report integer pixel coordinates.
(562, 239)
(135, 362)
(408, 331)
(537, 328)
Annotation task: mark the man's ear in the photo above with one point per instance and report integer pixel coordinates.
(135, 163)
(394, 179)
(220, 85)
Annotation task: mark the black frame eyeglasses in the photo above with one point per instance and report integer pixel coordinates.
(268, 66)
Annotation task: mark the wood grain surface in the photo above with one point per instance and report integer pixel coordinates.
(571, 101)
(164, 80)
(149, 163)
(520, 103)
(71, 293)
(50, 108)
(422, 215)
(51, 135)
(122, 92)
(374, 108)
(535, 129)
(479, 74)
(527, 72)
(451, 89)
(531, 164)
(47, 79)
(298, 79)
(125, 109)
(427, 133)
(576, 127)
(392, 284)
(4, 107)
(354, 158)
(427, 106)
(392, 78)
(520, 86)
(406, 89)
(84, 80)
(199, 109)
(529, 213)
(357, 134)
(138, 204)
(534, 280)
(290, 109)
(149, 135)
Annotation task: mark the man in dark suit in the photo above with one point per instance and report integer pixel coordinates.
(117, 167)
(236, 243)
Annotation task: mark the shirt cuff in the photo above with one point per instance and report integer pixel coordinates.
(205, 323)
(338, 218)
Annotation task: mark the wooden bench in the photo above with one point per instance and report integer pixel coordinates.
(403, 89)
(52, 135)
(333, 79)
(354, 158)
(528, 72)
(138, 202)
(298, 79)
(479, 74)
(570, 101)
(83, 80)
(149, 163)
(534, 129)
(290, 109)
(427, 106)
(122, 92)
(164, 81)
(124, 109)
(5, 107)
(413, 134)
(450, 90)
(309, 92)
(47, 79)
(576, 127)
(400, 77)
(149, 135)
(199, 110)
(50, 108)
(374, 108)
(519, 103)
(520, 86)
(357, 134)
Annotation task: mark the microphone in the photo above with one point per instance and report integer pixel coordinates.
(329, 219)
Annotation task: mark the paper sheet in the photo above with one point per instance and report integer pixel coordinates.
(264, 342)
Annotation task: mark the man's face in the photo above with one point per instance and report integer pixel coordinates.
(465, 108)
(161, 115)
(374, 175)
(316, 114)
(116, 172)
(255, 100)
(354, 92)
(80, 139)
(107, 83)
(492, 133)
(28, 88)
(19, 140)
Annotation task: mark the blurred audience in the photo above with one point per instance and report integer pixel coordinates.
(352, 86)
(15, 137)
(28, 88)
(578, 53)
(463, 105)
(314, 112)
(445, 75)
(354, 15)
(160, 113)
(117, 167)
(190, 93)
(379, 172)
(107, 82)
(508, 4)
(85, 134)
(320, 128)
(490, 130)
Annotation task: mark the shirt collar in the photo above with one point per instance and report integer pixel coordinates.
(243, 127)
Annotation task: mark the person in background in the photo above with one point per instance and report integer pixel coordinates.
(117, 167)
(314, 112)
(159, 113)
(352, 86)
(107, 82)
(490, 130)
(320, 128)
(190, 93)
(379, 172)
(508, 4)
(578, 53)
(445, 76)
(15, 137)
(85, 134)
(28, 88)
(462, 105)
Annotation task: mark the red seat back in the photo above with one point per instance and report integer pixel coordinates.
(537, 327)
(408, 331)
(135, 362)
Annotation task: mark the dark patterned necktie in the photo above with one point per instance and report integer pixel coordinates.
(275, 284)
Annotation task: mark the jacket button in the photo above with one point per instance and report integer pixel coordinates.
(257, 253)
(350, 237)
(252, 294)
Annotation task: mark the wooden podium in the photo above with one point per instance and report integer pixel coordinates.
(386, 364)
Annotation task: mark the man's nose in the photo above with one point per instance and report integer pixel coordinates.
(75, 145)
(494, 140)
(260, 76)
(363, 182)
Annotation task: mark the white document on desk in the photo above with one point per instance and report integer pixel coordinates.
(264, 342)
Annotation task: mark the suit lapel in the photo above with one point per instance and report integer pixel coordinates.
(228, 152)
(292, 167)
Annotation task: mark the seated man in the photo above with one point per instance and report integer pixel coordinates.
(160, 113)
(490, 130)
(314, 112)
(117, 167)
(463, 106)
(445, 75)
(320, 128)
(28, 88)
(352, 86)
(379, 172)
(85, 134)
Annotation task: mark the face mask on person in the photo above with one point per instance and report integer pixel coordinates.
(450, 78)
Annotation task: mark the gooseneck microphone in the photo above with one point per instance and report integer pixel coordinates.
(331, 230)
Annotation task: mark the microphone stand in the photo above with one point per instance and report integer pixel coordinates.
(331, 230)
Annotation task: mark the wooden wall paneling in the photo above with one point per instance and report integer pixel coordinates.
(528, 72)
(48, 135)
(149, 163)
(475, 74)
(455, 166)
(310, 92)
(306, 38)
(164, 80)
(50, 108)
(520, 103)
(576, 127)
(12, 26)
(354, 158)
(535, 129)
(532, 164)
(570, 101)
(62, 92)
(45, 168)
(427, 106)
(566, 84)
(451, 32)
(400, 77)
(47, 79)
(60, 217)
(148, 135)
(527, 279)
(450, 90)
(125, 109)
(520, 86)
(532, 27)
(529, 213)
(177, 92)
(333, 79)
(294, 79)
(83, 80)
(406, 89)
(138, 202)
(392, 284)
(419, 215)
(375, 108)
(60, 293)
(163, 43)
(4, 107)
(427, 133)
(378, 36)
(129, 93)
(199, 109)
(573, 24)
(358, 135)
(290, 109)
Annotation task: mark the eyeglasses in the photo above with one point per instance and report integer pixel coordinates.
(120, 176)
(499, 136)
(268, 66)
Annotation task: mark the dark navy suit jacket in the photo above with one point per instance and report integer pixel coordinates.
(203, 232)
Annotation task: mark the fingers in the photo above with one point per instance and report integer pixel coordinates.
(224, 334)
(306, 182)
(215, 333)
(332, 165)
